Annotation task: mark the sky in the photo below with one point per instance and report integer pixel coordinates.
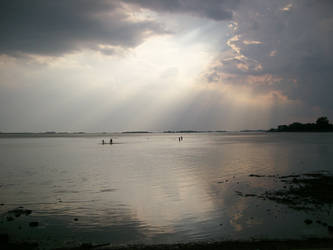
(111, 65)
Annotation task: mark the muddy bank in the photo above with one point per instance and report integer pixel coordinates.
(308, 192)
(323, 244)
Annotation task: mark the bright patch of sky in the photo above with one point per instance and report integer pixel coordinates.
(148, 65)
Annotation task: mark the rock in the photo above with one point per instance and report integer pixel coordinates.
(86, 245)
(4, 238)
(9, 218)
(256, 175)
(308, 221)
(34, 224)
(20, 211)
(250, 195)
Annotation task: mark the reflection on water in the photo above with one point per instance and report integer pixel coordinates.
(151, 188)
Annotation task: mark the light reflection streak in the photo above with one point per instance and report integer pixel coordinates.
(162, 189)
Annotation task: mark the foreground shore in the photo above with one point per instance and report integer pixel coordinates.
(233, 245)
(322, 244)
(308, 192)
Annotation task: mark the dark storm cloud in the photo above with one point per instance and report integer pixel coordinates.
(289, 41)
(57, 27)
(213, 9)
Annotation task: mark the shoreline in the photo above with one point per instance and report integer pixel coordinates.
(301, 192)
(316, 243)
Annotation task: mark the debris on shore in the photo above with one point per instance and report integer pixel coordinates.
(304, 192)
(17, 212)
(309, 191)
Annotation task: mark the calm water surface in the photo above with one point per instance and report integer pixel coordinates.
(150, 188)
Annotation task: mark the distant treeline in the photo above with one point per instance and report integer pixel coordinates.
(322, 125)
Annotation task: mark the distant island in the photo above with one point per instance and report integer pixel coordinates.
(322, 125)
(253, 130)
(194, 131)
(136, 132)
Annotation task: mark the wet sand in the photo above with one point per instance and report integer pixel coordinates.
(322, 244)
(309, 192)
(301, 192)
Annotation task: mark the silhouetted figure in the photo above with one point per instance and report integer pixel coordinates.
(179, 139)
(111, 141)
(103, 142)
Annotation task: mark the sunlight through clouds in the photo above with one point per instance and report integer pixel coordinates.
(128, 65)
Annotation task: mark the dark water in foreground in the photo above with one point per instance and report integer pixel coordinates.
(150, 188)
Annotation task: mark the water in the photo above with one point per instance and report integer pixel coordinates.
(151, 188)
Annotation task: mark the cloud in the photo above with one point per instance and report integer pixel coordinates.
(287, 7)
(212, 9)
(269, 58)
(50, 27)
(247, 42)
(286, 40)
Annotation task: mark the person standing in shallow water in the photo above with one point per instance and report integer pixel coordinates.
(111, 141)
(103, 142)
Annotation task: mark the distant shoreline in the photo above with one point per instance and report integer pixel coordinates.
(322, 125)
(103, 134)
(77, 134)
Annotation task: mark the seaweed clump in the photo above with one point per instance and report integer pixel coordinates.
(309, 191)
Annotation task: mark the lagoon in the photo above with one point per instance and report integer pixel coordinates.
(151, 188)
